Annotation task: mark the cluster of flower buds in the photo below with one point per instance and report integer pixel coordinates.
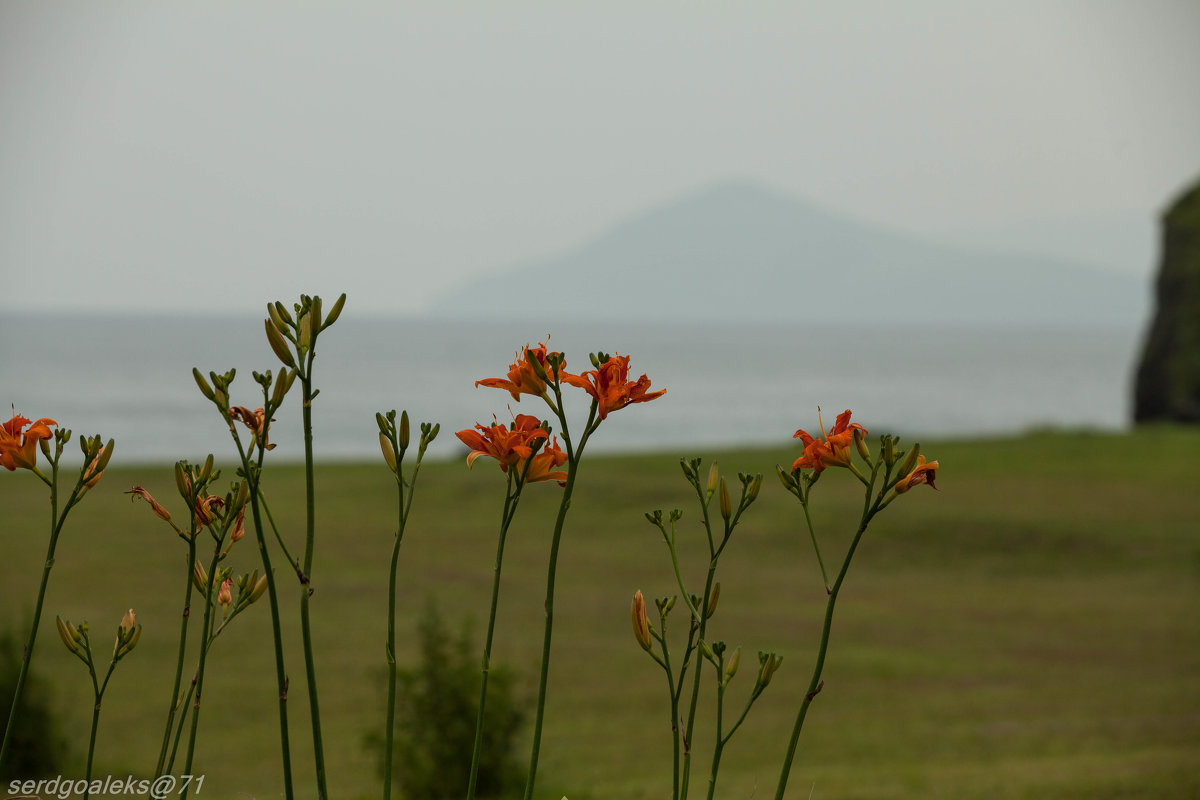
(78, 642)
(394, 438)
(286, 332)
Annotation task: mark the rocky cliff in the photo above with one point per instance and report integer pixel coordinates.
(1168, 378)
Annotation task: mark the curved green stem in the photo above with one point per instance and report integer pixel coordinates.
(812, 532)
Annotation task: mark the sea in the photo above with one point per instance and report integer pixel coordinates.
(130, 378)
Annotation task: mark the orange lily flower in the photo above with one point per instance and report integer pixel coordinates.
(509, 447)
(922, 473)
(18, 444)
(541, 467)
(254, 420)
(833, 450)
(611, 387)
(522, 377)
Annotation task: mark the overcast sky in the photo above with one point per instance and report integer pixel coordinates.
(213, 156)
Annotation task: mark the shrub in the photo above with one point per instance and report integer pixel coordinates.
(37, 747)
(435, 719)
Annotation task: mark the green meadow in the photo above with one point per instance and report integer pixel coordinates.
(1029, 630)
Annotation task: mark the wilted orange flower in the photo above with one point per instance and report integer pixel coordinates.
(922, 473)
(138, 491)
(611, 387)
(254, 420)
(506, 446)
(831, 451)
(207, 507)
(522, 377)
(18, 444)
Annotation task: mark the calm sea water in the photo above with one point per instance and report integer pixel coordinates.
(130, 378)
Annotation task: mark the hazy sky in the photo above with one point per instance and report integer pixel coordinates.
(212, 156)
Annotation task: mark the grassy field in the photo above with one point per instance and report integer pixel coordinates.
(1028, 631)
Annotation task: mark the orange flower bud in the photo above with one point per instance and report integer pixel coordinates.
(239, 526)
(225, 593)
(641, 625)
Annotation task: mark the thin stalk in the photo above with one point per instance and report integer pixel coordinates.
(813, 535)
(310, 668)
(183, 627)
(390, 733)
(666, 665)
(278, 537)
(702, 624)
(91, 750)
(691, 718)
(511, 500)
(720, 743)
(402, 512)
(199, 682)
(281, 678)
(815, 684)
(99, 692)
(573, 459)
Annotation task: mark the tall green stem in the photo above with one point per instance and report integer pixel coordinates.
(815, 684)
(402, 511)
(691, 718)
(183, 627)
(305, 620)
(204, 645)
(253, 479)
(720, 743)
(511, 499)
(98, 699)
(390, 733)
(574, 456)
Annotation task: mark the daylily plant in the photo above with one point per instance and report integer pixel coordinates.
(527, 450)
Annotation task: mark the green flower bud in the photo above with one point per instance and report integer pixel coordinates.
(389, 452)
(205, 389)
(335, 312)
(278, 344)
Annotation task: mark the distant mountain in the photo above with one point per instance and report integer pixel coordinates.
(738, 251)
